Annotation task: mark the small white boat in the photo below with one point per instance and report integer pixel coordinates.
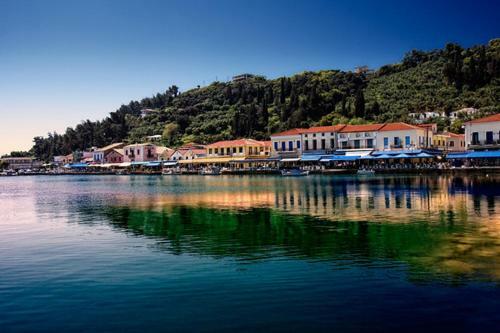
(294, 173)
(170, 172)
(366, 172)
(210, 172)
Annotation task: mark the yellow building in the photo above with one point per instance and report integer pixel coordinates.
(233, 151)
(448, 141)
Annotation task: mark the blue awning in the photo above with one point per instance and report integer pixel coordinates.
(383, 157)
(138, 163)
(396, 152)
(367, 157)
(311, 157)
(424, 155)
(484, 154)
(76, 165)
(457, 156)
(152, 164)
(403, 155)
(334, 158)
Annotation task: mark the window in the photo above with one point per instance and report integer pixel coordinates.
(397, 141)
(250, 150)
(323, 144)
(452, 144)
(332, 143)
(307, 145)
(369, 143)
(475, 138)
(407, 141)
(276, 146)
(283, 146)
(386, 143)
(314, 135)
(216, 150)
(138, 152)
(234, 150)
(210, 150)
(290, 145)
(322, 134)
(298, 144)
(356, 144)
(241, 148)
(315, 145)
(489, 138)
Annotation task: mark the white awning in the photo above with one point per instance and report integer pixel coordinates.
(290, 159)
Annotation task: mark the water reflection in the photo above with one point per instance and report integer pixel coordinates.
(441, 227)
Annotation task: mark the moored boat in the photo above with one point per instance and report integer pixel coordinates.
(294, 173)
(366, 172)
(210, 171)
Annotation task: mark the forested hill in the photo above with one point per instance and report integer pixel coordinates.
(445, 80)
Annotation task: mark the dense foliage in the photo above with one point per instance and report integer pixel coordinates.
(443, 80)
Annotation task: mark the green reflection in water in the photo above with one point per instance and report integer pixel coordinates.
(447, 249)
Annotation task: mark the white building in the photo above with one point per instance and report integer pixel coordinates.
(99, 155)
(483, 133)
(287, 143)
(140, 152)
(358, 136)
(463, 113)
(420, 117)
(403, 136)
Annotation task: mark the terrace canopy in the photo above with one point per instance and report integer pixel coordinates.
(310, 157)
(170, 163)
(475, 154)
(76, 166)
(152, 164)
(138, 163)
(290, 159)
(339, 158)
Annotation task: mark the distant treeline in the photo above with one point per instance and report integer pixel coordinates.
(443, 80)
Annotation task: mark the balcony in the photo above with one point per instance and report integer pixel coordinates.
(484, 144)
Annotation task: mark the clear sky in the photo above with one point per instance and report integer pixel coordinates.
(65, 61)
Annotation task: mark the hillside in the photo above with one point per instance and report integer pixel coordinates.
(444, 80)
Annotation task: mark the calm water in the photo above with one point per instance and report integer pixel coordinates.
(192, 253)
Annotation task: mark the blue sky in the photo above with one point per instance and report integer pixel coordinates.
(65, 61)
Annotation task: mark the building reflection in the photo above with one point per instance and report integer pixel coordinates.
(439, 227)
(343, 198)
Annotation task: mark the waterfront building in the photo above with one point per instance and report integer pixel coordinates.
(21, 163)
(241, 148)
(115, 156)
(483, 133)
(393, 136)
(320, 139)
(99, 155)
(287, 144)
(140, 152)
(358, 137)
(448, 141)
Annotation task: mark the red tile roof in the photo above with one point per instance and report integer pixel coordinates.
(398, 127)
(323, 129)
(235, 143)
(293, 131)
(361, 128)
(454, 135)
(494, 117)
